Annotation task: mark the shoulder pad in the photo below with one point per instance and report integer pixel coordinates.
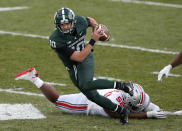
(81, 23)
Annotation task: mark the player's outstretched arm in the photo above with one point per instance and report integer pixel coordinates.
(140, 115)
(149, 114)
(177, 61)
(165, 71)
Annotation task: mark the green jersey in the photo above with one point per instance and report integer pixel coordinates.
(75, 41)
(81, 73)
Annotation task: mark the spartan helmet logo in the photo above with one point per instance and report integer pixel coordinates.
(64, 16)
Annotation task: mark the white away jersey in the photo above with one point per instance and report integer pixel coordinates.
(78, 103)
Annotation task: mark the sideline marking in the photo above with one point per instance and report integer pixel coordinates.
(149, 3)
(19, 111)
(13, 8)
(173, 75)
(99, 43)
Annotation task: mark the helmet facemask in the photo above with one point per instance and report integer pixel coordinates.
(64, 16)
(128, 100)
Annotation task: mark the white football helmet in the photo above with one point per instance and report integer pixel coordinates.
(138, 95)
(136, 102)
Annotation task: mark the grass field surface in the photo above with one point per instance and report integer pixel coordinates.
(130, 24)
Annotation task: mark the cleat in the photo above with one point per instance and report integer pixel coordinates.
(125, 86)
(29, 74)
(128, 88)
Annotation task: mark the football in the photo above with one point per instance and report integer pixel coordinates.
(105, 31)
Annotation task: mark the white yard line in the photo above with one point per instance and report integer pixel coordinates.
(107, 78)
(22, 34)
(58, 84)
(176, 113)
(173, 75)
(17, 91)
(13, 8)
(99, 43)
(19, 111)
(20, 92)
(149, 3)
(137, 48)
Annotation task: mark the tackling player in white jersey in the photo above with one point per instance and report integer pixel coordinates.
(139, 104)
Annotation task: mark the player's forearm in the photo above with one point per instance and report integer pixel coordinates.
(80, 56)
(139, 115)
(177, 61)
(93, 22)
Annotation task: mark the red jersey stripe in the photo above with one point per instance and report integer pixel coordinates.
(142, 95)
(70, 106)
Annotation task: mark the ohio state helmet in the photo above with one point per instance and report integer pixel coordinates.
(136, 102)
(138, 97)
(64, 16)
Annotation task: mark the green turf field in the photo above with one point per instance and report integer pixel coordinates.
(130, 24)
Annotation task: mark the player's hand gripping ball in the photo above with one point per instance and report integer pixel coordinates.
(105, 31)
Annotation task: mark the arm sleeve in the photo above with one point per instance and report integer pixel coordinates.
(152, 107)
(66, 51)
(149, 106)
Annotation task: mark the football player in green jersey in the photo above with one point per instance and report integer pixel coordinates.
(68, 42)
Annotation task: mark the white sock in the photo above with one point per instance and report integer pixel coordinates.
(38, 82)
